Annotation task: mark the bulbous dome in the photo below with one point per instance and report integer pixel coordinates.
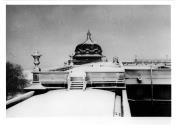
(88, 47)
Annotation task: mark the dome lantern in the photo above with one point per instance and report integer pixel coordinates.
(88, 51)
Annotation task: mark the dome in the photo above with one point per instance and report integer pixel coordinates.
(88, 47)
(87, 52)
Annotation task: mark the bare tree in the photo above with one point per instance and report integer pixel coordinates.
(15, 80)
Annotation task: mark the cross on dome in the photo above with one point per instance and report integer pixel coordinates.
(88, 40)
(88, 35)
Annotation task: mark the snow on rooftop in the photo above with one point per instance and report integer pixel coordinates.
(91, 102)
(142, 66)
(98, 67)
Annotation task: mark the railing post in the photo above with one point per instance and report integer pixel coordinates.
(84, 84)
(125, 104)
(151, 77)
(117, 106)
(68, 83)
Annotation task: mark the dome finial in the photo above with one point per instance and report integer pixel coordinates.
(88, 34)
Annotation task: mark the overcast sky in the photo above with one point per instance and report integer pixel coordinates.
(123, 31)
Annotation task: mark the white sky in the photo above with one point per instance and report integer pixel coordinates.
(123, 31)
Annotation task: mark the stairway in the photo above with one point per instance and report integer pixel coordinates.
(76, 79)
(77, 84)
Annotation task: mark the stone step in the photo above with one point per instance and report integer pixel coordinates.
(76, 88)
(77, 81)
(77, 84)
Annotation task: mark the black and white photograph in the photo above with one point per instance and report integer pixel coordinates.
(88, 60)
